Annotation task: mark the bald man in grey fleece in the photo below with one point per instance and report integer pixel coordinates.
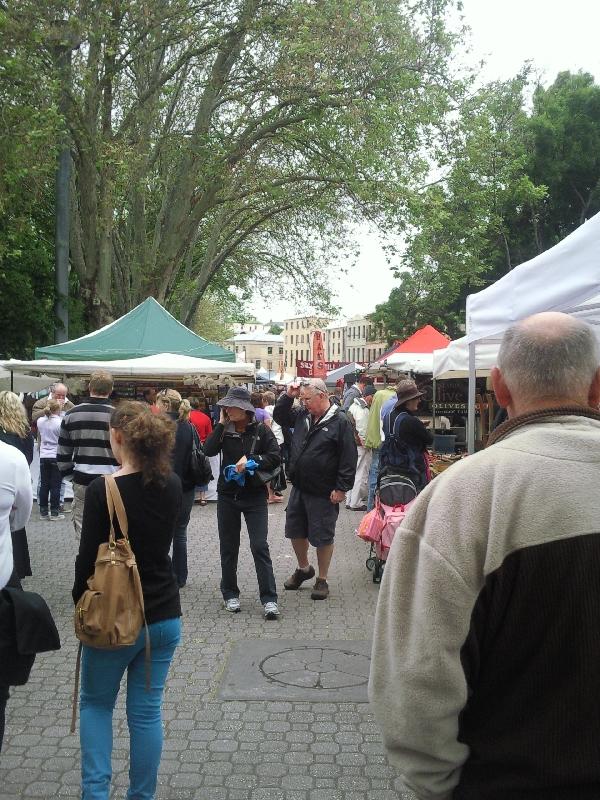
(485, 677)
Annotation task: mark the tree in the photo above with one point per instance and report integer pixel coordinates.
(28, 126)
(275, 329)
(238, 137)
(516, 185)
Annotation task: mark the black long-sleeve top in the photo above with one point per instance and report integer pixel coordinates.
(182, 452)
(324, 454)
(22, 443)
(411, 428)
(224, 439)
(151, 514)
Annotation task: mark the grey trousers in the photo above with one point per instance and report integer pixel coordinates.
(77, 507)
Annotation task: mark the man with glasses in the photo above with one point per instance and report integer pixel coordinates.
(322, 469)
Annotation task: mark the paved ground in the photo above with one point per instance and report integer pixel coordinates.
(214, 749)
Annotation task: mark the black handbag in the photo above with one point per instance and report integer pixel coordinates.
(26, 628)
(199, 468)
(262, 476)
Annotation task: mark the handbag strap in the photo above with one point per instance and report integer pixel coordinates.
(115, 504)
(258, 424)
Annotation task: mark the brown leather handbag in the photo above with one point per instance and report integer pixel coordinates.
(110, 613)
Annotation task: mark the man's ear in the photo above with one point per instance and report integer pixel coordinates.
(594, 392)
(501, 390)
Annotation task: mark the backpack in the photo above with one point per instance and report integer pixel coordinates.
(395, 452)
(199, 469)
(110, 613)
(396, 489)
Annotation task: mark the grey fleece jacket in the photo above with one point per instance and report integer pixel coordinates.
(478, 655)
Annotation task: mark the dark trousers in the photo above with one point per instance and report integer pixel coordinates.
(229, 519)
(180, 565)
(50, 480)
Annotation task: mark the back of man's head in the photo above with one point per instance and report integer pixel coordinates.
(549, 357)
(101, 383)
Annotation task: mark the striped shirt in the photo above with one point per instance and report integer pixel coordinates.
(84, 443)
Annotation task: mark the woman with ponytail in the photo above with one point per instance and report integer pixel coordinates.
(141, 442)
(169, 401)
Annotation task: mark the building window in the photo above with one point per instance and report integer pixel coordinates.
(269, 351)
(281, 351)
(269, 365)
(257, 363)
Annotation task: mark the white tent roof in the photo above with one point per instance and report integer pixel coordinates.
(410, 362)
(334, 375)
(453, 361)
(565, 278)
(163, 365)
(24, 383)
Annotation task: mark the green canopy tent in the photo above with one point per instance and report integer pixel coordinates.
(146, 330)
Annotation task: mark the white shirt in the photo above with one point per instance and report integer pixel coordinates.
(16, 499)
(277, 432)
(49, 430)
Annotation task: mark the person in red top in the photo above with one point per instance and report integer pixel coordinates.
(203, 424)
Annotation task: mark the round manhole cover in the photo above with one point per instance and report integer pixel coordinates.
(316, 668)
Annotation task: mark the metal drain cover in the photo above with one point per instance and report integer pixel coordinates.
(296, 670)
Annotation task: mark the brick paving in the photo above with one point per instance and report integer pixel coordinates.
(213, 749)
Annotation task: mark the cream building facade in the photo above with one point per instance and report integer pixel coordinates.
(335, 341)
(264, 350)
(364, 340)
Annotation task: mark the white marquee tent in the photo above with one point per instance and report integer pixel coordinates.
(161, 365)
(565, 278)
(453, 361)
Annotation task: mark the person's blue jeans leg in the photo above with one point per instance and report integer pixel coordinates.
(45, 484)
(180, 565)
(373, 475)
(101, 674)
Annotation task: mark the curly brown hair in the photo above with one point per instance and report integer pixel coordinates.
(149, 437)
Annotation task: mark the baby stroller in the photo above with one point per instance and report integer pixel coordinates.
(395, 493)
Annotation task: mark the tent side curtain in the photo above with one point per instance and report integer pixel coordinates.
(146, 330)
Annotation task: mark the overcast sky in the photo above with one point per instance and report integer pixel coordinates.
(553, 34)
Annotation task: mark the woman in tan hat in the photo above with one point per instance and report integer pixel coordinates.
(405, 437)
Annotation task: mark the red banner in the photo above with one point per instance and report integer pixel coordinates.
(304, 369)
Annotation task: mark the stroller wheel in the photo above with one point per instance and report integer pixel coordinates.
(378, 571)
(370, 563)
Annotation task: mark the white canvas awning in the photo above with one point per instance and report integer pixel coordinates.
(453, 361)
(410, 362)
(161, 365)
(24, 383)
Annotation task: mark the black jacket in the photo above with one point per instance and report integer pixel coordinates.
(323, 456)
(233, 446)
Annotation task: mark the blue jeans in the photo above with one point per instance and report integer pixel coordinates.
(373, 475)
(50, 483)
(101, 673)
(180, 565)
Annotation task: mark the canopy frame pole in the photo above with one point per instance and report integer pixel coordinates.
(12, 382)
(471, 401)
(434, 405)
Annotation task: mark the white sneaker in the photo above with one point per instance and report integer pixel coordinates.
(271, 611)
(56, 517)
(233, 605)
